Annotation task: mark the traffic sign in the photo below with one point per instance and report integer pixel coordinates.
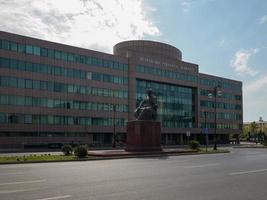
(205, 130)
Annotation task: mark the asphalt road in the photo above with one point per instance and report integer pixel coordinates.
(241, 174)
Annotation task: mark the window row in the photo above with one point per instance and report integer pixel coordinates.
(60, 103)
(165, 73)
(60, 71)
(231, 116)
(168, 89)
(181, 110)
(177, 124)
(61, 55)
(6, 81)
(213, 83)
(220, 126)
(224, 95)
(221, 105)
(185, 77)
(183, 98)
(177, 117)
(11, 118)
(43, 134)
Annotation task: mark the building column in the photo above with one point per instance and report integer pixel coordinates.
(181, 139)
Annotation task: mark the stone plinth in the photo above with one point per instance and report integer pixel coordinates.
(143, 135)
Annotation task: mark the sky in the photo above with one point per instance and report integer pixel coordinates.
(224, 37)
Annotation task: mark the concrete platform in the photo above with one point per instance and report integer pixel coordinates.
(123, 153)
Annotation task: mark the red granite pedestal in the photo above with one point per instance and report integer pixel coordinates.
(143, 135)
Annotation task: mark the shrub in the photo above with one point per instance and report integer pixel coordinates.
(194, 144)
(81, 151)
(265, 142)
(67, 150)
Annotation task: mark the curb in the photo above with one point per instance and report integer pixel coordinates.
(252, 147)
(116, 157)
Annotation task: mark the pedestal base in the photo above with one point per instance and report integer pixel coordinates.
(143, 136)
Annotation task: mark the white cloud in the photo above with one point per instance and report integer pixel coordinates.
(254, 100)
(263, 19)
(88, 23)
(256, 85)
(240, 62)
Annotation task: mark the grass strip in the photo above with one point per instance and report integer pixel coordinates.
(29, 158)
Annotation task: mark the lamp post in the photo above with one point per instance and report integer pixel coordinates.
(205, 129)
(216, 92)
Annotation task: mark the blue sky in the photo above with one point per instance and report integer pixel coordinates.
(224, 37)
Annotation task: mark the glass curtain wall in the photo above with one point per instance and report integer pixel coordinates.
(176, 103)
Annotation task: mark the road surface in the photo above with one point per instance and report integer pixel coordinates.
(241, 174)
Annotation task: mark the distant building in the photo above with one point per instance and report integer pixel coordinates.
(52, 94)
(260, 126)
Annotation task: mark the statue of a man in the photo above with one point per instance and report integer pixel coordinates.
(147, 109)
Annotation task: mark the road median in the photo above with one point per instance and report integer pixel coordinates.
(103, 155)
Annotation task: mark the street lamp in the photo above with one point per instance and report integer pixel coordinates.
(216, 92)
(205, 128)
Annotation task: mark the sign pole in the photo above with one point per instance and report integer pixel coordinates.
(188, 135)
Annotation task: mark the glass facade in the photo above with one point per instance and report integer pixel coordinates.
(15, 82)
(213, 83)
(15, 118)
(221, 126)
(165, 73)
(186, 77)
(43, 134)
(220, 105)
(60, 71)
(225, 95)
(176, 103)
(16, 100)
(61, 55)
(220, 115)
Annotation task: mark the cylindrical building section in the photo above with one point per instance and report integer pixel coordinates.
(147, 47)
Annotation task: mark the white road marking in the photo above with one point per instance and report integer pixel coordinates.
(23, 182)
(248, 172)
(57, 197)
(11, 173)
(205, 165)
(15, 191)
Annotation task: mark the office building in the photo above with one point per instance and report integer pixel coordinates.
(53, 94)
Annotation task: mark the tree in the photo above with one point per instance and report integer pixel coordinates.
(245, 133)
(81, 151)
(253, 129)
(67, 150)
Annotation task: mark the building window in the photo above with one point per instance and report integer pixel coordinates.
(27, 119)
(29, 49)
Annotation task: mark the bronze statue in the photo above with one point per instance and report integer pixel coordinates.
(147, 110)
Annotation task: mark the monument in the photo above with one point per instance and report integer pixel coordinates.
(144, 133)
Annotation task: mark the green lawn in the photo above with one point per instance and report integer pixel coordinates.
(44, 157)
(210, 150)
